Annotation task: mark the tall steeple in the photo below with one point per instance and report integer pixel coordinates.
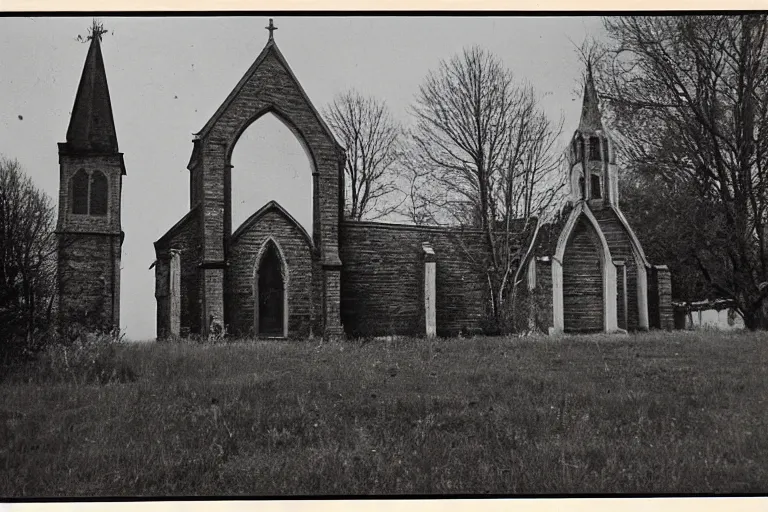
(593, 172)
(89, 231)
(590, 108)
(91, 126)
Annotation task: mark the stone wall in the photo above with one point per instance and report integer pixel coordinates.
(620, 246)
(89, 248)
(243, 251)
(543, 295)
(382, 280)
(111, 166)
(583, 280)
(185, 238)
(660, 310)
(269, 86)
(89, 279)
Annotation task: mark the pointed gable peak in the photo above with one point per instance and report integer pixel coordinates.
(590, 108)
(269, 49)
(270, 207)
(91, 125)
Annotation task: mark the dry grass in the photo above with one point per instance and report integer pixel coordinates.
(652, 413)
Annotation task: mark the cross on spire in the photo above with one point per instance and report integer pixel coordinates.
(271, 29)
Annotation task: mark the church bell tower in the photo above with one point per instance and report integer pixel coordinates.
(88, 229)
(593, 172)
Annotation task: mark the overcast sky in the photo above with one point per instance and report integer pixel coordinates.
(167, 76)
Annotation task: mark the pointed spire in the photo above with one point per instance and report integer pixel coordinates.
(590, 109)
(91, 125)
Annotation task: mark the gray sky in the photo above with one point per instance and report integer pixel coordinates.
(167, 76)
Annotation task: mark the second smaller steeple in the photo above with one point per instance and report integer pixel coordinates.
(590, 109)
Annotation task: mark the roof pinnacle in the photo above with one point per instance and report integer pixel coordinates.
(271, 29)
(590, 109)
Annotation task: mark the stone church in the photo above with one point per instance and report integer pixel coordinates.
(269, 277)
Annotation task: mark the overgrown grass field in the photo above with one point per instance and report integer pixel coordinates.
(649, 413)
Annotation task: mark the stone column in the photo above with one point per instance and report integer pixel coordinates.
(332, 301)
(621, 295)
(558, 315)
(213, 298)
(642, 297)
(430, 295)
(174, 329)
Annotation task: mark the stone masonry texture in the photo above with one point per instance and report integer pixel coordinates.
(382, 281)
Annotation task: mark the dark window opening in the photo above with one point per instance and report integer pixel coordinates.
(80, 192)
(581, 187)
(271, 294)
(99, 191)
(90, 193)
(594, 149)
(596, 193)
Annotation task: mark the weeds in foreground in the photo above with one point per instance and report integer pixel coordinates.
(89, 358)
(679, 412)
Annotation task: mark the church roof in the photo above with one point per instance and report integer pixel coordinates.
(590, 108)
(91, 125)
(270, 47)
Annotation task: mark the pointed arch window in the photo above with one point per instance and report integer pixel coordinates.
(90, 193)
(594, 149)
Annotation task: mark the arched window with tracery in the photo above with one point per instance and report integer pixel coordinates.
(90, 193)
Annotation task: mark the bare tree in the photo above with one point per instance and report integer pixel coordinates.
(487, 149)
(27, 250)
(371, 137)
(690, 99)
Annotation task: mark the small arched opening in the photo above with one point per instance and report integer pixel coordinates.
(270, 292)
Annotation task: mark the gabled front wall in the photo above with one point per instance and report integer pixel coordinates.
(582, 214)
(294, 247)
(267, 87)
(268, 90)
(583, 281)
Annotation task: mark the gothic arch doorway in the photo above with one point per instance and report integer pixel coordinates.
(270, 292)
(583, 309)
